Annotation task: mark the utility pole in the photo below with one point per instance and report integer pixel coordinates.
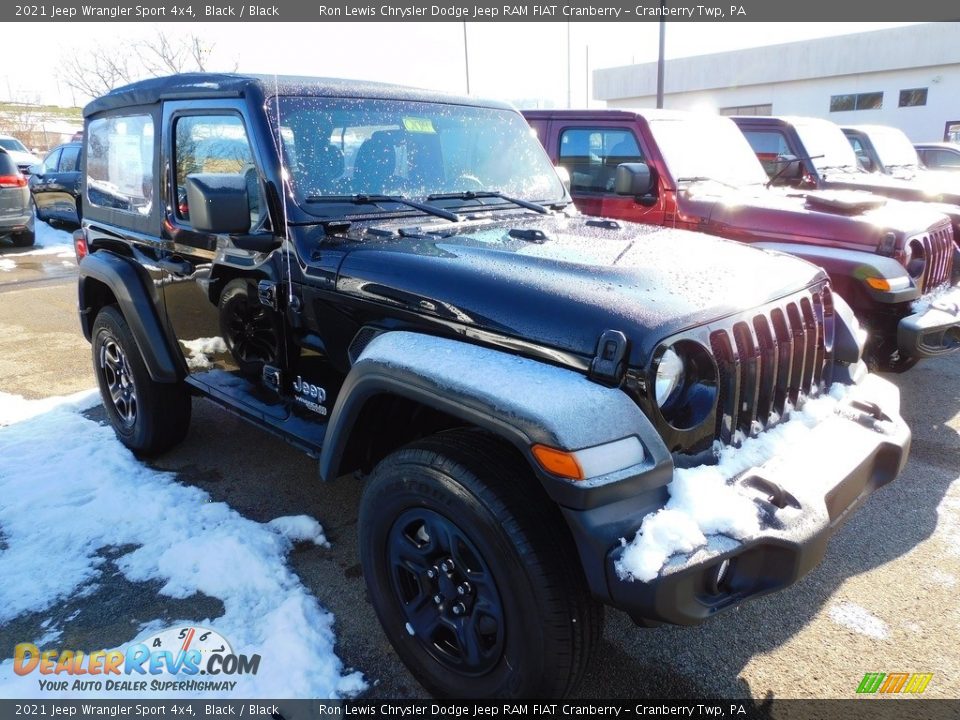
(586, 89)
(663, 34)
(466, 56)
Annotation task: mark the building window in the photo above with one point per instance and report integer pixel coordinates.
(913, 97)
(862, 101)
(748, 110)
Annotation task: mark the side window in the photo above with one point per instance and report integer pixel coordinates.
(945, 158)
(215, 144)
(591, 156)
(50, 162)
(68, 159)
(120, 154)
(770, 146)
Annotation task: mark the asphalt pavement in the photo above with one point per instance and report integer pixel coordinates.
(883, 600)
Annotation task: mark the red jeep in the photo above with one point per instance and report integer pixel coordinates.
(894, 262)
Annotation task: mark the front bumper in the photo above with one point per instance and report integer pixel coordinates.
(802, 497)
(933, 331)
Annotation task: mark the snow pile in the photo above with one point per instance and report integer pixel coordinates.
(299, 528)
(199, 350)
(6, 264)
(860, 620)
(69, 489)
(704, 503)
(932, 298)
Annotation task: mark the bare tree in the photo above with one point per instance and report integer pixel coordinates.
(98, 70)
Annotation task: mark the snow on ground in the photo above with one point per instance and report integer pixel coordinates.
(69, 490)
(703, 502)
(299, 528)
(49, 241)
(199, 350)
(860, 620)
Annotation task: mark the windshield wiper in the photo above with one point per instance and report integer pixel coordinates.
(787, 162)
(362, 199)
(477, 194)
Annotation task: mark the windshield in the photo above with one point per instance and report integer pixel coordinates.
(893, 147)
(707, 147)
(9, 143)
(826, 145)
(339, 148)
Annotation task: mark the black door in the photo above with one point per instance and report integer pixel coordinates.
(211, 294)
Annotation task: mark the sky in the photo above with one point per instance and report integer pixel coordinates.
(510, 61)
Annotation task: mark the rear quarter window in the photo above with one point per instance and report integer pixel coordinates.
(120, 151)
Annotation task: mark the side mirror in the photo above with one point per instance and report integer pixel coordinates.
(792, 167)
(35, 170)
(633, 179)
(218, 203)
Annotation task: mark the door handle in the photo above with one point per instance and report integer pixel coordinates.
(176, 266)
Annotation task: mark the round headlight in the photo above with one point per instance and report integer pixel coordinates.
(915, 259)
(669, 375)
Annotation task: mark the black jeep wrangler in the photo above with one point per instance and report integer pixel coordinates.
(396, 281)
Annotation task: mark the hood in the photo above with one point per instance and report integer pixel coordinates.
(850, 218)
(942, 184)
(922, 186)
(561, 281)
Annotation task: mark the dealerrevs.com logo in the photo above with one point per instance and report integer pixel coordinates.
(180, 655)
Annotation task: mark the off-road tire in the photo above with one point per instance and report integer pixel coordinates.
(160, 414)
(481, 487)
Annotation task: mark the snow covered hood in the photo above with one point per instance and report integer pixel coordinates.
(562, 281)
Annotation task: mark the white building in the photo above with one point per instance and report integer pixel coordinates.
(908, 77)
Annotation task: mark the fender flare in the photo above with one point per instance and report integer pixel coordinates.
(124, 279)
(523, 401)
(856, 265)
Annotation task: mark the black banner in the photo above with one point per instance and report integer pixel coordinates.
(860, 709)
(472, 11)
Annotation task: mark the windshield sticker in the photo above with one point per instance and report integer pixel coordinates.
(419, 125)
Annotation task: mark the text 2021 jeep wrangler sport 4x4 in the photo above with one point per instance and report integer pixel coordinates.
(397, 282)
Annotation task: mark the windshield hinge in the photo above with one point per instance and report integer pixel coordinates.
(609, 365)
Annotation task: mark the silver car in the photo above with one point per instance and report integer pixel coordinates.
(16, 213)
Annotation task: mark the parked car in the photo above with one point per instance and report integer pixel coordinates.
(939, 155)
(520, 382)
(16, 215)
(824, 159)
(18, 151)
(55, 184)
(888, 150)
(697, 172)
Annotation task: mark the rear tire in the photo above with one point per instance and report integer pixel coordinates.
(526, 624)
(148, 417)
(25, 238)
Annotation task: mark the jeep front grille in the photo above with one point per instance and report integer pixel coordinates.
(773, 358)
(938, 251)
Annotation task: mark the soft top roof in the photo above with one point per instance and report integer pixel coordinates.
(209, 85)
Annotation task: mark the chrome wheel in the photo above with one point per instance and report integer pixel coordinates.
(119, 379)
